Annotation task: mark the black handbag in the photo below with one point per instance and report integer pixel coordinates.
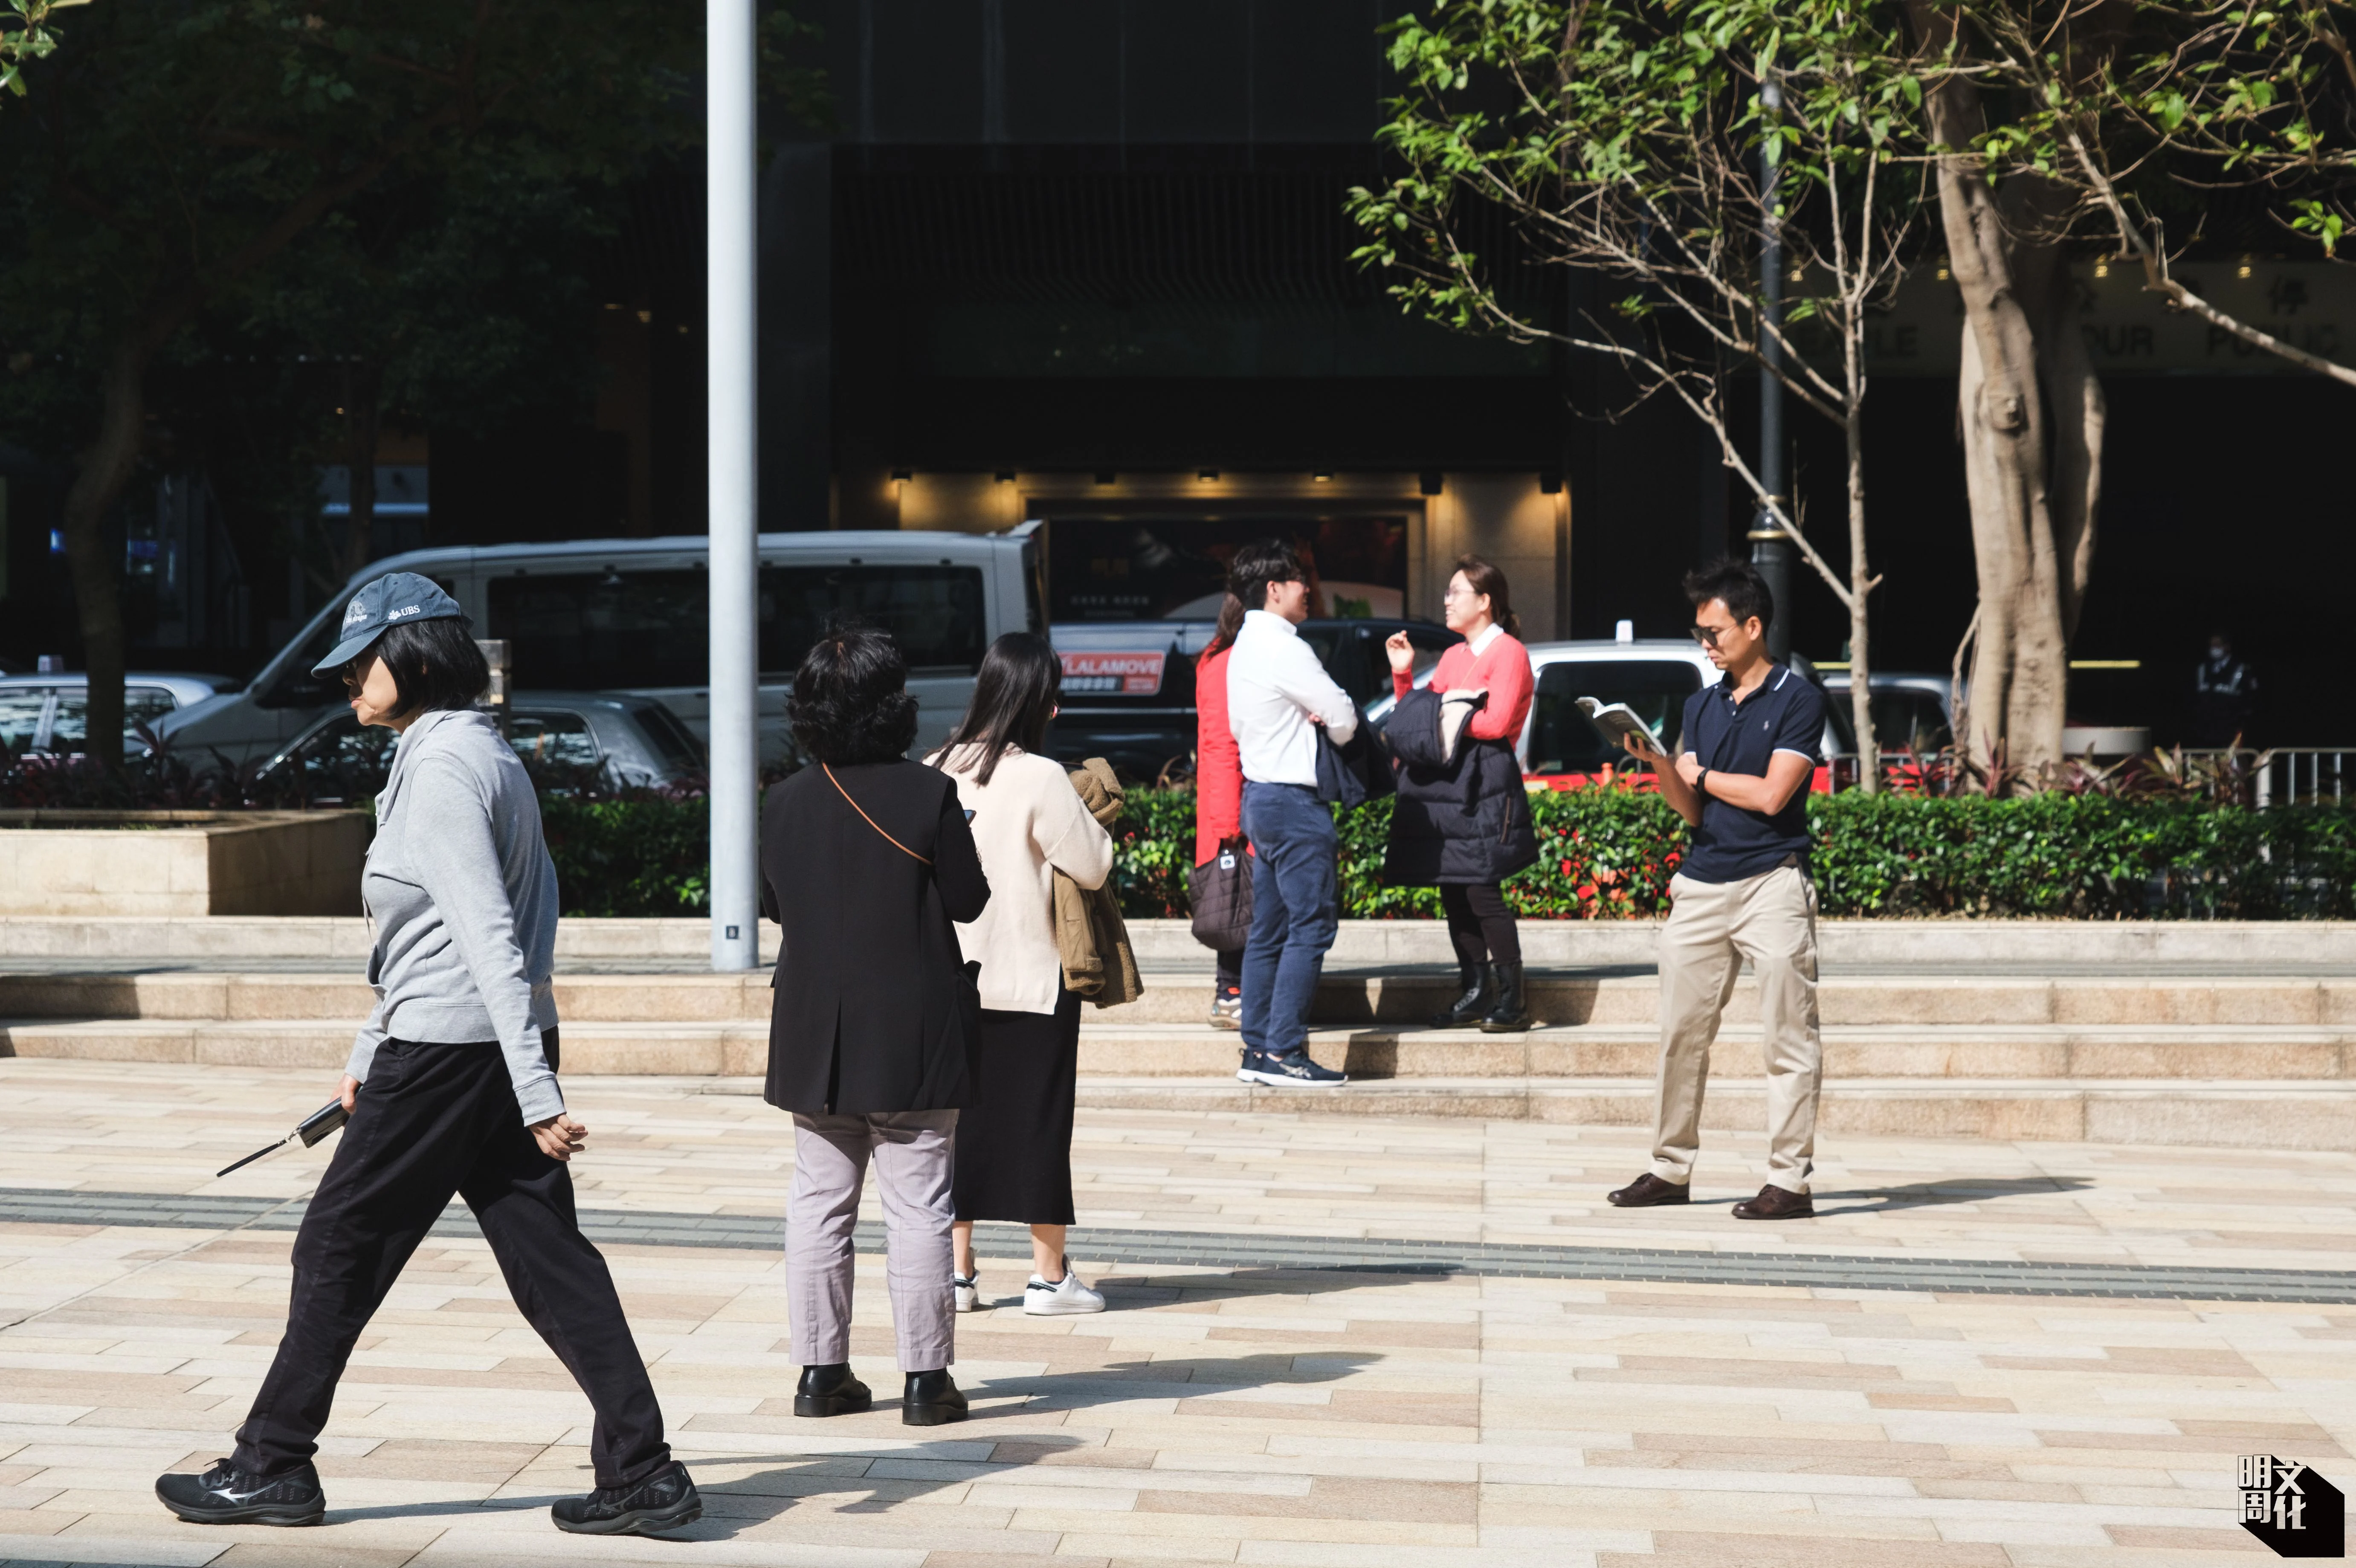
(1220, 890)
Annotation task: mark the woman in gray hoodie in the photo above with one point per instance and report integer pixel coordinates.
(451, 1089)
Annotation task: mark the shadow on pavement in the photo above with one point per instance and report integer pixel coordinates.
(1933, 1194)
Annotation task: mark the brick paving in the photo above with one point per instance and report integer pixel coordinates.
(1258, 1415)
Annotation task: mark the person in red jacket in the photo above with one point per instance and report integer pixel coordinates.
(1469, 851)
(1218, 790)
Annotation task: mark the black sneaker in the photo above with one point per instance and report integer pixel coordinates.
(226, 1494)
(1292, 1069)
(1253, 1062)
(665, 1501)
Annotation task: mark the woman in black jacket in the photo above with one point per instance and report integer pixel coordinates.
(865, 862)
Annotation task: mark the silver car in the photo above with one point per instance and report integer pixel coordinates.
(51, 712)
(566, 737)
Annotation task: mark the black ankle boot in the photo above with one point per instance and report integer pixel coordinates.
(1479, 990)
(931, 1399)
(831, 1390)
(1508, 1016)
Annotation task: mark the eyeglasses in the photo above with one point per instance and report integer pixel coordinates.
(1452, 592)
(1708, 635)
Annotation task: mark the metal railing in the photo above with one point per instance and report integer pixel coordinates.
(2278, 776)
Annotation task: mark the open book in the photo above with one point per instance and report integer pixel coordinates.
(1617, 720)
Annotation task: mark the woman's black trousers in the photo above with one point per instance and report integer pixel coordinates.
(433, 1120)
(1479, 926)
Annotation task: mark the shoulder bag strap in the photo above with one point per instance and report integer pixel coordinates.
(871, 822)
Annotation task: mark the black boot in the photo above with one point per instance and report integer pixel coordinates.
(1479, 990)
(931, 1399)
(1508, 1016)
(831, 1390)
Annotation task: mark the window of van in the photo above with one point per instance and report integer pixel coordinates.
(935, 612)
(591, 631)
(1562, 741)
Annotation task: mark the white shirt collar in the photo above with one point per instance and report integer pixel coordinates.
(1269, 620)
(1489, 635)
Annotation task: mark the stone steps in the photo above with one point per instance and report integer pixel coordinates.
(2236, 1002)
(2273, 1115)
(1932, 1053)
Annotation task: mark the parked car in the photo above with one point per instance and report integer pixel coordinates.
(1654, 677)
(51, 712)
(627, 616)
(565, 737)
(1910, 711)
(1129, 686)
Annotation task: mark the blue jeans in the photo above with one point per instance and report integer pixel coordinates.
(1294, 917)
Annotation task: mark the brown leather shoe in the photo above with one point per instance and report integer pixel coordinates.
(1777, 1203)
(1648, 1191)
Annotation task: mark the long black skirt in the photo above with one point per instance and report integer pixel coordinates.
(1014, 1135)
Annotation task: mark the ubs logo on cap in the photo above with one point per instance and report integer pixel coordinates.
(407, 610)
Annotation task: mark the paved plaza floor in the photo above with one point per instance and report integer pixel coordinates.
(1326, 1404)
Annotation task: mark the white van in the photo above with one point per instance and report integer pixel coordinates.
(627, 615)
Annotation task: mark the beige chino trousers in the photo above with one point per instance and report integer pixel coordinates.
(1770, 919)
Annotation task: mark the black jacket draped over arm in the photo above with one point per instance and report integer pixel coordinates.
(873, 1011)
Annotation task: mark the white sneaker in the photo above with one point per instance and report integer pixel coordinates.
(1066, 1297)
(968, 1291)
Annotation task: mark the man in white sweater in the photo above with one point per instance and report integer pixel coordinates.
(1278, 693)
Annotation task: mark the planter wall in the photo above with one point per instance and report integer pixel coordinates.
(161, 864)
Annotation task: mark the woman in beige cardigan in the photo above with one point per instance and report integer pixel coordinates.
(1014, 1139)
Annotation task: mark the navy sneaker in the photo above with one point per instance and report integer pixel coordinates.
(1293, 1070)
(665, 1501)
(226, 1494)
(1253, 1062)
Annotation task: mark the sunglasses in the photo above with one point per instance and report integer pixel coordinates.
(1708, 635)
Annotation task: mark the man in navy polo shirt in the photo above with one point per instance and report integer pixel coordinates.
(1753, 741)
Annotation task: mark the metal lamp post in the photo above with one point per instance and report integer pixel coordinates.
(730, 197)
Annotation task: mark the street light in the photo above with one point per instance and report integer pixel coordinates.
(729, 196)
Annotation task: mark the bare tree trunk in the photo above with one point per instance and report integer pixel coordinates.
(2033, 545)
(363, 416)
(1861, 585)
(108, 466)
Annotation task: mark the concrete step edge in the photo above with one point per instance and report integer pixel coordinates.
(1111, 1030)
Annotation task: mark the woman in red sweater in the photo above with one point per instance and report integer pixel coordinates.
(1468, 848)
(1219, 790)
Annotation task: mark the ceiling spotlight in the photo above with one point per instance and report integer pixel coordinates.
(1106, 479)
(904, 473)
(1005, 475)
(1323, 479)
(1207, 475)
(1430, 482)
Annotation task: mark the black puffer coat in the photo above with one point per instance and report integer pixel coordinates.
(1466, 819)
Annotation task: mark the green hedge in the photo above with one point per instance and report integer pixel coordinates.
(1608, 853)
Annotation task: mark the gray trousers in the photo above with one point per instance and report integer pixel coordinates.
(911, 1151)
